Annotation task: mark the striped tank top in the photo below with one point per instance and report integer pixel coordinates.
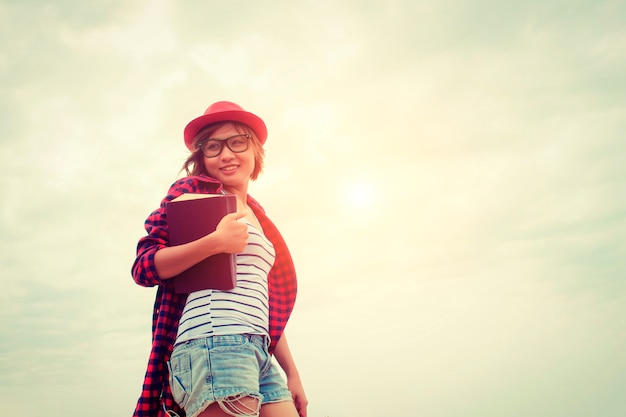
(242, 310)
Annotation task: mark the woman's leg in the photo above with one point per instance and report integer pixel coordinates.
(280, 409)
(233, 407)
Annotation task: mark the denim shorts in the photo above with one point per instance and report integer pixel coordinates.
(216, 368)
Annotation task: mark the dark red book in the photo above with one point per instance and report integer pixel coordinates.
(191, 216)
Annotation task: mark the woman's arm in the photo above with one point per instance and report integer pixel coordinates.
(230, 236)
(286, 362)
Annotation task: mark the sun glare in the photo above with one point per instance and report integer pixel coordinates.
(357, 196)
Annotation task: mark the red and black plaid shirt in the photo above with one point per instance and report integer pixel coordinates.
(156, 395)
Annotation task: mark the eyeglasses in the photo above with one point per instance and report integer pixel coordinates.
(213, 147)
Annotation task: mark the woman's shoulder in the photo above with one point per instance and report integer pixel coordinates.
(195, 184)
(256, 206)
(200, 184)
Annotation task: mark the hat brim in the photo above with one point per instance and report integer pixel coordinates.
(253, 121)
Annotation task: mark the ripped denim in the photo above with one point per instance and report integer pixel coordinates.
(235, 371)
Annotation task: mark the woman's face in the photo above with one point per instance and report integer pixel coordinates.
(230, 168)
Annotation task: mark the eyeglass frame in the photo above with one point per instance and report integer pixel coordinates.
(223, 142)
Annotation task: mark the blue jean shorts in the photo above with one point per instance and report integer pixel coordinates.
(218, 368)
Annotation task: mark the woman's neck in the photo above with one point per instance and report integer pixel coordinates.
(240, 193)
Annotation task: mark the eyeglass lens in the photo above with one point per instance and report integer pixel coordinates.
(213, 147)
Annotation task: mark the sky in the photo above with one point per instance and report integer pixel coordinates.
(448, 175)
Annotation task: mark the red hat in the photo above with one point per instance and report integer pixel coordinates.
(225, 111)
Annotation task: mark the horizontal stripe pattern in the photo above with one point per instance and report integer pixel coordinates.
(244, 309)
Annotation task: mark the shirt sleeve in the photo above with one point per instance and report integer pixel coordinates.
(144, 270)
(157, 235)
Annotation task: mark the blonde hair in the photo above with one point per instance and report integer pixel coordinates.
(194, 164)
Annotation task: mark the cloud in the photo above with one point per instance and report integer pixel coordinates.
(486, 263)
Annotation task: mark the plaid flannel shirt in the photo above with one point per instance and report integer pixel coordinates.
(156, 395)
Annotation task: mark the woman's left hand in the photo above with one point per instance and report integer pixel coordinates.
(297, 393)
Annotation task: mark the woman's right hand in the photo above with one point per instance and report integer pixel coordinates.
(230, 236)
(232, 232)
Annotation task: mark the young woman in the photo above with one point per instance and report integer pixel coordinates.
(211, 350)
